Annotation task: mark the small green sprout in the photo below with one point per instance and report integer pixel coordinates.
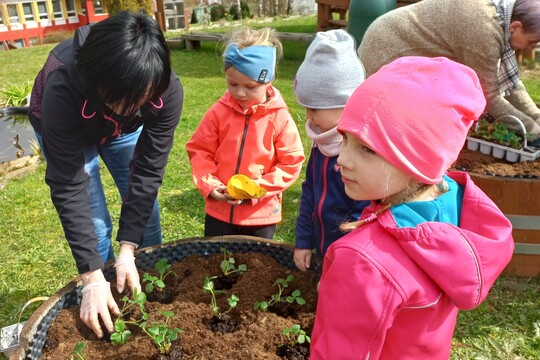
(161, 334)
(121, 334)
(77, 353)
(232, 301)
(158, 282)
(228, 264)
(295, 335)
(208, 286)
(277, 297)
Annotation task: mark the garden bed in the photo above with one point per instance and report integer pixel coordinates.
(256, 335)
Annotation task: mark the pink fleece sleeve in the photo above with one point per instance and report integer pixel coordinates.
(357, 304)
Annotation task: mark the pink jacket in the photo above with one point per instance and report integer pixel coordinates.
(393, 293)
(262, 143)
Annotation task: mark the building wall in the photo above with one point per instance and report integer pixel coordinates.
(26, 22)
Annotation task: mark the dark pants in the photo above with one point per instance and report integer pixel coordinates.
(215, 227)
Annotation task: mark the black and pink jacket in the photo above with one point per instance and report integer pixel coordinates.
(68, 120)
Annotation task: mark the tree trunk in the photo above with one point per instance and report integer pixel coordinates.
(239, 9)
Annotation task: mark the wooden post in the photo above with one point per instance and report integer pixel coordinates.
(160, 15)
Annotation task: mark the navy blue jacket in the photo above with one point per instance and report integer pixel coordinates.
(324, 205)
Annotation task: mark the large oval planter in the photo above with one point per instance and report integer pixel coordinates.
(518, 198)
(34, 332)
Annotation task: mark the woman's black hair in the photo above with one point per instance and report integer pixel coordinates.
(125, 58)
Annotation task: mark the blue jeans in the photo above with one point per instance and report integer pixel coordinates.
(116, 155)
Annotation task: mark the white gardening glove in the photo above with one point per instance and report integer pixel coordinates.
(126, 271)
(96, 302)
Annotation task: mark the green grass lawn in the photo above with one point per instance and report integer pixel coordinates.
(37, 260)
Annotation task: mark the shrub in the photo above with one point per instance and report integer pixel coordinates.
(57, 36)
(217, 12)
(246, 13)
(115, 6)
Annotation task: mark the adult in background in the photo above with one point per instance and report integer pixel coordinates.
(481, 34)
(107, 93)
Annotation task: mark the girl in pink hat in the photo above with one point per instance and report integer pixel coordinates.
(431, 242)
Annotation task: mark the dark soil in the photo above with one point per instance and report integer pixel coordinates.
(296, 352)
(223, 282)
(256, 335)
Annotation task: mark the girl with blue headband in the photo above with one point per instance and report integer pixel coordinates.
(248, 141)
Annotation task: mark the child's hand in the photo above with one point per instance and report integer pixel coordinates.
(220, 194)
(302, 259)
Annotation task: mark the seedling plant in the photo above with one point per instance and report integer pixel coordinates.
(281, 284)
(295, 335)
(228, 264)
(499, 133)
(78, 351)
(121, 334)
(158, 282)
(209, 287)
(160, 333)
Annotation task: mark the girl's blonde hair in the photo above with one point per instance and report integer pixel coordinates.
(409, 195)
(245, 37)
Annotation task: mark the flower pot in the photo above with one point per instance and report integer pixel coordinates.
(517, 200)
(35, 331)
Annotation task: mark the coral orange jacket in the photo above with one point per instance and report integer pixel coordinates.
(262, 143)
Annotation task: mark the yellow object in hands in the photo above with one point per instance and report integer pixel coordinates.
(241, 187)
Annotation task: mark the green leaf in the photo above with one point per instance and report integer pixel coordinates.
(300, 300)
(119, 325)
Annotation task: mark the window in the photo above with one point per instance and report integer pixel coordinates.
(27, 9)
(71, 9)
(42, 9)
(57, 9)
(12, 13)
(98, 7)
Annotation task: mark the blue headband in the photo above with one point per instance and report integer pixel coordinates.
(256, 62)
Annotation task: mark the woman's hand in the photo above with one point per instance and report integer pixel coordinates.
(96, 302)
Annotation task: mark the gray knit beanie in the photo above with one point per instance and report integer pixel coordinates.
(330, 72)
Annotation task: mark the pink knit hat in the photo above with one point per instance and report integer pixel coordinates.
(415, 112)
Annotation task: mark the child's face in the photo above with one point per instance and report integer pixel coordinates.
(246, 91)
(368, 176)
(324, 119)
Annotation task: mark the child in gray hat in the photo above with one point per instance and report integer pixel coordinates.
(329, 74)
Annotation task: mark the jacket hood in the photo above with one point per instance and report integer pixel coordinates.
(80, 37)
(273, 102)
(464, 261)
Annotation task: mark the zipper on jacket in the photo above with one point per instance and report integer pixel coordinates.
(239, 160)
(321, 202)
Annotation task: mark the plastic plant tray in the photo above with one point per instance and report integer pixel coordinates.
(502, 152)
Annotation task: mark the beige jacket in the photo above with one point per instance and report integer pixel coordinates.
(466, 31)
